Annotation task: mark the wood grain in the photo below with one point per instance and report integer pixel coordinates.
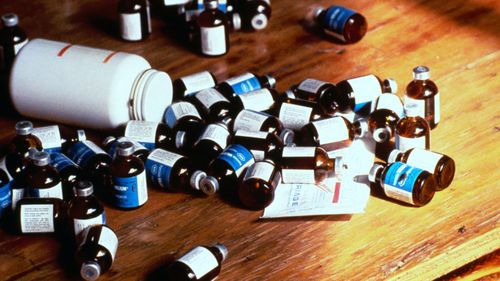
(459, 40)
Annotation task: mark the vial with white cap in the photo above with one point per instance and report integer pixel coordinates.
(202, 263)
(96, 254)
(412, 131)
(255, 14)
(12, 39)
(18, 149)
(214, 30)
(129, 190)
(386, 112)
(245, 83)
(42, 179)
(84, 210)
(424, 93)
(342, 23)
(119, 86)
(135, 19)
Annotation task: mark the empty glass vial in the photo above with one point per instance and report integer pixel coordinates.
(256, 190)
(150, 134)
(356, 94)
(311, 89)
(18, 148)
(386, 112)
(342, 23)
(440, 165)
(5, 194)
(424, 93)
(97, 252)
(40, 215)
(193, 83)
(202, 263)
(84, 210)
(135, 19)
(110, 143)
(42, 179)
(225, 171)
(244, 83)
(129, 178)
(412, 131)
(255, 14)
(404, 182)
(171, 171)
(214, 30)
(12, 39)
(212, 105)
(302, 164)
(69, 172)
(331, 133)
(296, 113)
(262, 145)
(211, 143)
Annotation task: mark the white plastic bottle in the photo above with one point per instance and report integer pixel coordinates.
(87, 87)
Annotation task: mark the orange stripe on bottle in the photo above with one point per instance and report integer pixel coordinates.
(336, 193)
(109, 56)
(63, 50)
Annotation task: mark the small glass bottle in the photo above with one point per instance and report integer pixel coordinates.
(211, 143)
(404, 182)
(311, 89)
(97, 252)
(183, 116)
(257, 100)
(245, 83)
(5, 194)
(12, 39)
(69, 172)
(424, 93)
(193, 83)
(40, 215)
(69, 138)
(42, 179)
(342, 23)
(225, 171)
(251, 120)
(412, 130)
(214, 30)
(150, 134)
(296, 113)
(357, 94)
(255, 14)
(212, 105)
(129, 178)
(256, 190)
(110, 143)
(56, 138)
(135, 19)
(84, 210)
(202, 263)
(18, 149)
(171, 171)
(440, 165)
(304, 164)
(331, 133)
(386, 112)
(262, 145)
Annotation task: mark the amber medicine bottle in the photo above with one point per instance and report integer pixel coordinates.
(183, 116)
(342, 23)
(262, 145)
(84, 210)
(193, 83)
(256, 190)
(212, 105)
(296, 113)
(440, 165)
(244, 83)
(69, 172)
(57, 138)
(135, 19)
(386, 112)
(251, 120)
(311, 89)
(255, 14)
(42, 179)
(211, 143)
(412, 131)
(18, 149)
(214, 30)
(97, 252)
(121, 86)
(110, 144)
(150, 134)
(404, 183)
(40, 215)
(424, 93)
(202, 263)
(257, 100)
(12, 39)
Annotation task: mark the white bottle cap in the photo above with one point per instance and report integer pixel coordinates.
(151, 95)
(236, 21)
(373, 172)
(196, 178)
(209, 185)
(382, 135)
(392, 84)
(10, 20)
(90, 271)
(81, 135)
(421, 72)
(41, 158)
(259, 22)
(393, 155)
(223, 250)
(24, 128)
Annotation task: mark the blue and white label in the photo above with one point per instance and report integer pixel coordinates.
(50, 137)
(79, 225)
(244, 83)
(83, 151)
(179, 110)
(144, 132)
(51, 192)
(130, 192)
(159, 166)
(336, 18)
(222, 5)
(399, 181)
(365, 89)
(238, 158)
(60, 161)
(5, 198)
(17, 192)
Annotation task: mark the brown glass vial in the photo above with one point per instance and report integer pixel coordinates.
(40, 215)
(296, 113)
(70, 137)
(135, 20)
(150, 134)
(245, 83)
(18, 149)
(257, 100)
(69, 172)
(311, 89)
(12, 39)
(255, 14)
(191, 84)
(404, 182)
(212, 105)
(342, 23)
(308, 164)
(211, 143)
(96, 254)
(262, 145)
(129, 178)
(440, 165)
(183, 116)
(412, 131)
(110, 143)
(202, 263)
(256, 190)
(84, 210)
(386, 112)
(42, 179)
(251, 120)
(424, 93)
(214, 30)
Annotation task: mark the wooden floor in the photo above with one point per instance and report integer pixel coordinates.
(459, 40)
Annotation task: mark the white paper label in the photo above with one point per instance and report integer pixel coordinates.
(92, 146)
(437, 108)
(391, 102)
(298, 151)
(53, 192)
(142, 131)
(18, 46)
(417, 105)
(258, 100)
(130, 26)
(3, 166)
(164, 157)
(310, 85)
(405, 144)
(331, 130)
(297, 176)
(198, 81)
(81, 224)
(294, 116)
(366, 88)
(398, 193)
(424, 159)
(108, 240)
(249, 121)
(49, 136)
(258, 155)
(217, 134)
(180, 109)
(260, 170)
(175, 2)
(251, 134)
(37, 218)
(209, 96)
(200, 260)
(243, 77)
(213, 40)
(17, 194)
(142, 188)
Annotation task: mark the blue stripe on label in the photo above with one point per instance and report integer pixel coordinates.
(222, 7)
(5, 198)
(246, 86)
(236, 156)
(361, 106)
(103, 217)
(80, 153)
(336, 18)
(170, 118)
(52, 149)
(125, 192)
(61, 161)
(148, 145)
(158, 173)
(402, 176)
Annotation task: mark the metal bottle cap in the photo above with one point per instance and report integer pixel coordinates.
(180, 139)
(372, 176)
(271, 80)
(90, 271)
(236, 21)
(41, 158)
(196, 178)
(394, 155)
(382, 135)
(209, 185)
(83, 188)
(10, 19)
(125, 148)
(24, 128)
(421, 72)
(287, 136)
(108, 140)
(223, 250)
(317, 11)
(259, 22)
